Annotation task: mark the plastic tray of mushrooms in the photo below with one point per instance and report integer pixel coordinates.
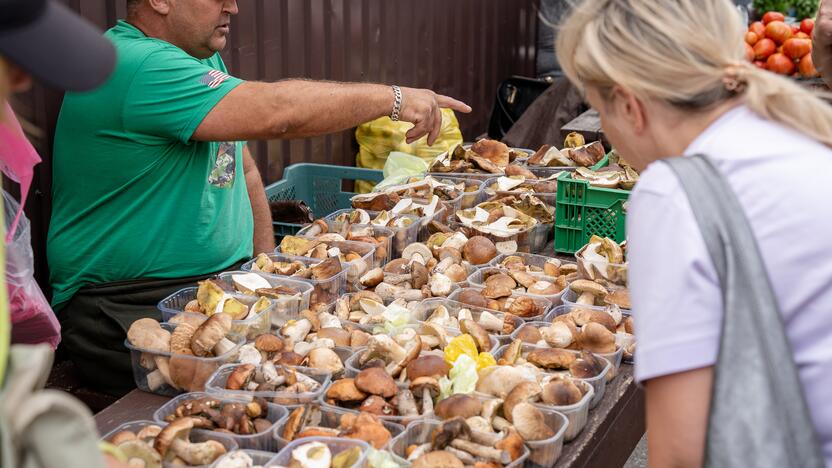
(355, 257)
(316, 420)
(584, 292)
(168, 359)
(621, 329)
(544, 364)
(244, 458)
(249, 423)
(154, 444)
(536, 265)
(458, 316)
(527, 307)
(327, 277)
(405, 227)
(330, 230)
(257, 301)
(322, 452)
(604, 261)
(498, 282)
(576, 153)
(542, 427)
(427, 210)
(480, 161)
(453, 444)
(281, 385)
(457, 192)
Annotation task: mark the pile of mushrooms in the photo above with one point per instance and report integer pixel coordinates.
(500, 283)
(384, 218)
(485, 156)
(267, 377)
(228, 417)
(453, 443)
(310, 421)
(425, 188)
(154, 445)
(321, 271)
(318, 455)
(398, 205)
(589, 293)
(533, 360)
(522, 306)
(236, 459)
(194, 337)
(576, 152)
(429, 269)
(608, 177)
(215, 296)
(592, 330)
(526, 183)
(347, 231)
(465, 320)
(603, 260)
(347, 253)
(503, 220)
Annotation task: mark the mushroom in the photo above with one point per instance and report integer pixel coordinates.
(366, 427)
(372, 278)
(584, 316)
(512, 443)
(438, 459)
(481, 337)
(295, 331)
(173, 441)
(406, 403)
(479, 250)
(588, 366)
(498, 381)
(417, 253)
(140, 453)
(427, 366)
(459, 405)
(618, 297)
(589, 291)
(491, 322)
(390, 292)
(529, 334)
(375, 381)
(559, 334)
(440, 285)
(210, 336)
(147, 334)
(311, 455)
(326, 360)
(561, 392)
(345, 390)
(180, 339)
(522, 392)
(597, 339)
(240, 377)
(551, 358)
(377, 405)
(530, 423)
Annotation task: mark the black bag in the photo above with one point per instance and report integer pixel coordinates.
(514, 96)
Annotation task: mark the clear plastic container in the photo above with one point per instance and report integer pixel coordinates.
(251, 327)
(613, 358)
(542, 303)
(324, 291)
(258, 457)
(599, 382)
(196, 436)
(570, 297)
(355, 268)
(402, 237)
(419, 433)
(611, 275)
(576, 414)
(477, 280)
(216, 386)
(335, 445)
(261, 441)
(544, 453)
(288, 308)
(549, 198)
(424, 310)
(331, 418)
(528, 240)
(189, 372)
(469, 198)
(383, 251)
(353, 368)
(530, 259)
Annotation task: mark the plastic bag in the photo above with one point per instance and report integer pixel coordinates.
(378, 138)
(33, 320)
(399, 167)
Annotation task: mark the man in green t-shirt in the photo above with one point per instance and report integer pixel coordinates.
(153, 187)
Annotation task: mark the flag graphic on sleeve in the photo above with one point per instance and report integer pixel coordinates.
(213, 78)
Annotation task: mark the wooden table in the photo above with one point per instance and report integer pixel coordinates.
(587, 124)
(612, 431)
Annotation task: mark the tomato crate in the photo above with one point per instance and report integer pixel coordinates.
(583, 211)
(320, 186)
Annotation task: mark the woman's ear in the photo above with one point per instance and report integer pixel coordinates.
(19, 80)
(630, 109)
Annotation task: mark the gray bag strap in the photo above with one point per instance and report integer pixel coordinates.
(758, 414)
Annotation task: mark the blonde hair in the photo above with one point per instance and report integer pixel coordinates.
(688, 53)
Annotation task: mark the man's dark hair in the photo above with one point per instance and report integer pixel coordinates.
(132, 4)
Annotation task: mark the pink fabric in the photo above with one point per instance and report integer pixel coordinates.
(18, 159)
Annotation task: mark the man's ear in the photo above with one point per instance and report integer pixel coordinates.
(160, 6)
(630, 108)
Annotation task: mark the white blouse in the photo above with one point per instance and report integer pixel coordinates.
(784, 183)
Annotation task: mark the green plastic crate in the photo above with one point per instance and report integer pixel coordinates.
(583, 211)
(320, 186)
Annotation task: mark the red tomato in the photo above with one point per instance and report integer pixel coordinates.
(764, 48)
(806, 67)
(773, 16)
(795, 28)
(778, 31)
(802, 35)
(749, 52)
(807, 26)
(779, 63)
(758, 28)
(797, 48)
(751, 38)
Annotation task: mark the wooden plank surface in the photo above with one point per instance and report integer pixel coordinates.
(613, 429)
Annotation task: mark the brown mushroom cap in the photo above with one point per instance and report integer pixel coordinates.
(419, 275)
(366, 427)
(588, 366)
(479, 250)
(529, 334)
(524, 307)
(240, 377)
(597, 339)
(462, 405)
(325, 359)
(294, 423)
(480, 335)
(399, 266)
(584, 316)
(561, 392)
(180, 339)
(438, 459)
(268, 343)
(345, 390)
(147, 334)
(472, 297)
(378, 406)
(418, 386)
(512, 443)
(339, 336)
(586, 286)
(210, 333)
(521, 393)
(288, 358)
(619, 297)
(428, 365)
(551, 358)
(178, 429)
(364, 294)
(530, 423)
(376, 381)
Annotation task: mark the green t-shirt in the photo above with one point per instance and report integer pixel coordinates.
(132, 195)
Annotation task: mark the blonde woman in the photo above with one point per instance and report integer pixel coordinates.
(668, 79)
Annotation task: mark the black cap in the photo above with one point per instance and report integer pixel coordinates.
(55, 45)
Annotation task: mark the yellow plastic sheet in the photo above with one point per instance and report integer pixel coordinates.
(465, 344)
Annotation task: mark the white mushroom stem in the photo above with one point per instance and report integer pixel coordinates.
(146, 361)
(427, 402)
(223, 347)
(303, 348)
(419, 451)
(193, 454)
(490, 322)
(481, 451)
(586, 298)
(407, 404)
(464, 457)
(489, 439)
(440, 285)
(396, 279)
(501, 424)
(443, 265)
(389, 292)
(489, 409)
(155, 380)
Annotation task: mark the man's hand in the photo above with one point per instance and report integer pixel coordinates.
(423, 108)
